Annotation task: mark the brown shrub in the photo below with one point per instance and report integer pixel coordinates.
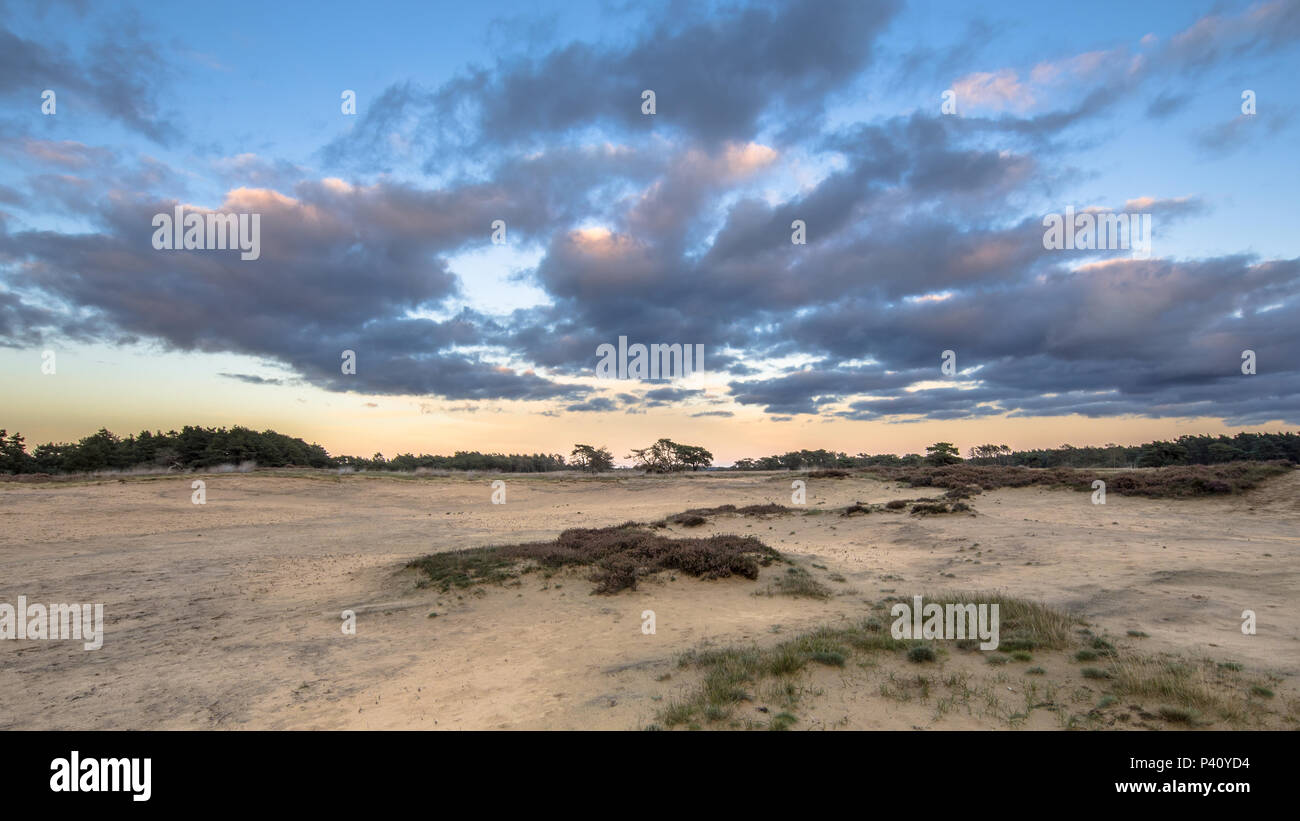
(930, 507)
(620, 556)
(1170, 482)
(748, 510)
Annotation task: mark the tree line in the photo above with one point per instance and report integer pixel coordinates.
(1201, 449)
(190, 447)
(196, 448)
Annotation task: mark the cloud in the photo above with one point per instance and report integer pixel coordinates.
(1239, 132)
(924, 232)
(120, 75)
(252, 379)
(714, 80)
(598, 403)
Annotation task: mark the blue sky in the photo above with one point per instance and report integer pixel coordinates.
(923, 227)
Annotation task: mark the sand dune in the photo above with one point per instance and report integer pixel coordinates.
(227, 615)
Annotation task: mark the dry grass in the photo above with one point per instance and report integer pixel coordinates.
(732, 675)
(1177, 692)
(1023, 624)
(1165, 680)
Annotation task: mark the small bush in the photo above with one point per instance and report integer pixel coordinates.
(782, 721)
(921, 653)
(620, 555)
(831, 658)
(924, 508)
(799, 583)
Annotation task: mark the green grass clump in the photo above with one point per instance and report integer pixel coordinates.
(830, 658)
(462, 568)
(782, 721)
(921, 653)
(800, 584)
(1177, 715)
(731, 676)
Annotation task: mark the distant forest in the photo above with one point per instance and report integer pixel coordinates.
(198, 448)
(1185, 450)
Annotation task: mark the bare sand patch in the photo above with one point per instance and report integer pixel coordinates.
(227, 615)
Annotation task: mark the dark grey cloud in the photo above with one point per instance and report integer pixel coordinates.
(670, 396)
(595, 404)
(120, 75)
(339, 270)
(715, 79)
(253, 379)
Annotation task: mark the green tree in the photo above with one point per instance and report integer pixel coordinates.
(942, 453)
(13, 454)
(691, 457)
(661, 457)
(1159, 454)
(585, 457)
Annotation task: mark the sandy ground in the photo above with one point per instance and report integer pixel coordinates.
(228, 615)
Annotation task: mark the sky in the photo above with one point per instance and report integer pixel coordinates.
(920, 147)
